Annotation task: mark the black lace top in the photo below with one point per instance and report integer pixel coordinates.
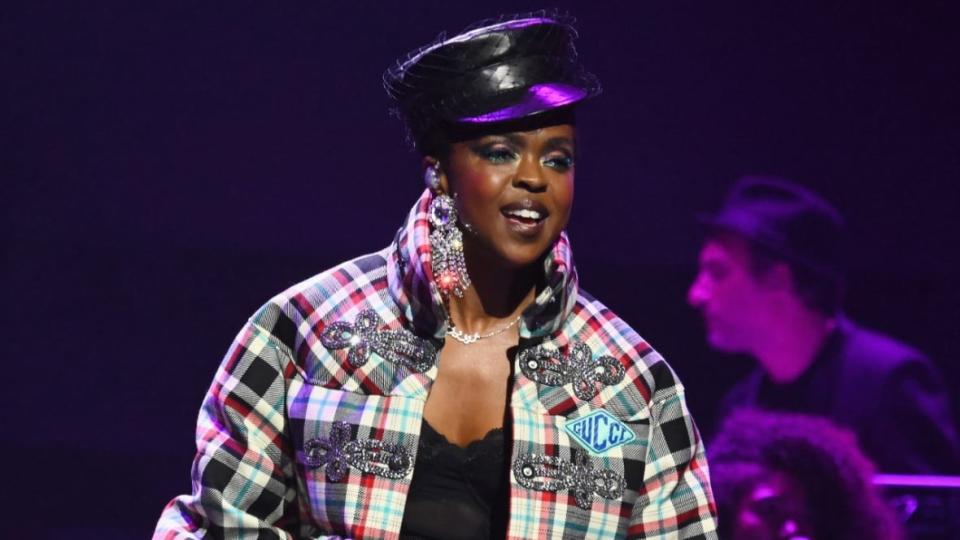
(457, 493)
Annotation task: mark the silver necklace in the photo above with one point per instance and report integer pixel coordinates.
(468, 339)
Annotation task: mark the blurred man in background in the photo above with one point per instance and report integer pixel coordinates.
(770, 285)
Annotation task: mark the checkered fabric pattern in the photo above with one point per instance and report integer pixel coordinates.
(279, 387)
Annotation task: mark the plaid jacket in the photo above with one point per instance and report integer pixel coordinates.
(311, 426)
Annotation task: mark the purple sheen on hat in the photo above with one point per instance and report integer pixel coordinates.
(539, 98)
(501, 26)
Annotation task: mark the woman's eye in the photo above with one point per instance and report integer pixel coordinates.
(560, 163)
(498, 155)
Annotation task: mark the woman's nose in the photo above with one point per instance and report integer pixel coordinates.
(529, 175)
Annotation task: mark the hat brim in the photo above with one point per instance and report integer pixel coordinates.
(537, 99)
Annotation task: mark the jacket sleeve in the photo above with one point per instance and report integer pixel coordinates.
(676, 500)
(243, 485)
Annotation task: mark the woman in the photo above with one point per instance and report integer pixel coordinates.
(792, 476)
(456, 384)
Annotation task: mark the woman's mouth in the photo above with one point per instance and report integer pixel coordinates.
(525, 218)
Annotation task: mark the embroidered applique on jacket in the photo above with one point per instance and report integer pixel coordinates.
(337, 451)
(581, 477)
(363, 337)
(551, 367)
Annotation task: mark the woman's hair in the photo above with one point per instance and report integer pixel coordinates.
(835, 475)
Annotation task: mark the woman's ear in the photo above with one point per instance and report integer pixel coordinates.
(433, 175)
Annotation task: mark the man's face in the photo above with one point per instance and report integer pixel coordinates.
(733, 302)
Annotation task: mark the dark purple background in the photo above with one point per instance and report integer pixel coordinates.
(167, 169)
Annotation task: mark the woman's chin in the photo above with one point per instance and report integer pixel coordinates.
(523, 257)
(508, 253)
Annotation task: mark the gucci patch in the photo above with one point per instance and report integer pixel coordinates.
(600, 432)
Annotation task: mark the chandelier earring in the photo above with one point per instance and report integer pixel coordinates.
(446, 248)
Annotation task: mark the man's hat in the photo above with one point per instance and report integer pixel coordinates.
(788, 220)
(495, 71)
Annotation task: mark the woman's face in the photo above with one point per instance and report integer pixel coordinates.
(775, 508)
(513, 191)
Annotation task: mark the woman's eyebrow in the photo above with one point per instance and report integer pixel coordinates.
(522, 140)
(514, 139)
(558, 143)
(517, 139)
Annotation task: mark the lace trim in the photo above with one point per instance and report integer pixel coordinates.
(434, 442)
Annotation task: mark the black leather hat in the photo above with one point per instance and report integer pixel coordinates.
(495, 71)
(788, 220)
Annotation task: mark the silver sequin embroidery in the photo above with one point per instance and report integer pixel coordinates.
(553, 368)
(360, 338)
(548, 473)
(337, 453)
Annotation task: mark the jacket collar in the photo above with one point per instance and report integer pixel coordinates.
(410, 281)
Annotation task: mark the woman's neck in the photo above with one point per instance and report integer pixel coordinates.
(498, 293)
